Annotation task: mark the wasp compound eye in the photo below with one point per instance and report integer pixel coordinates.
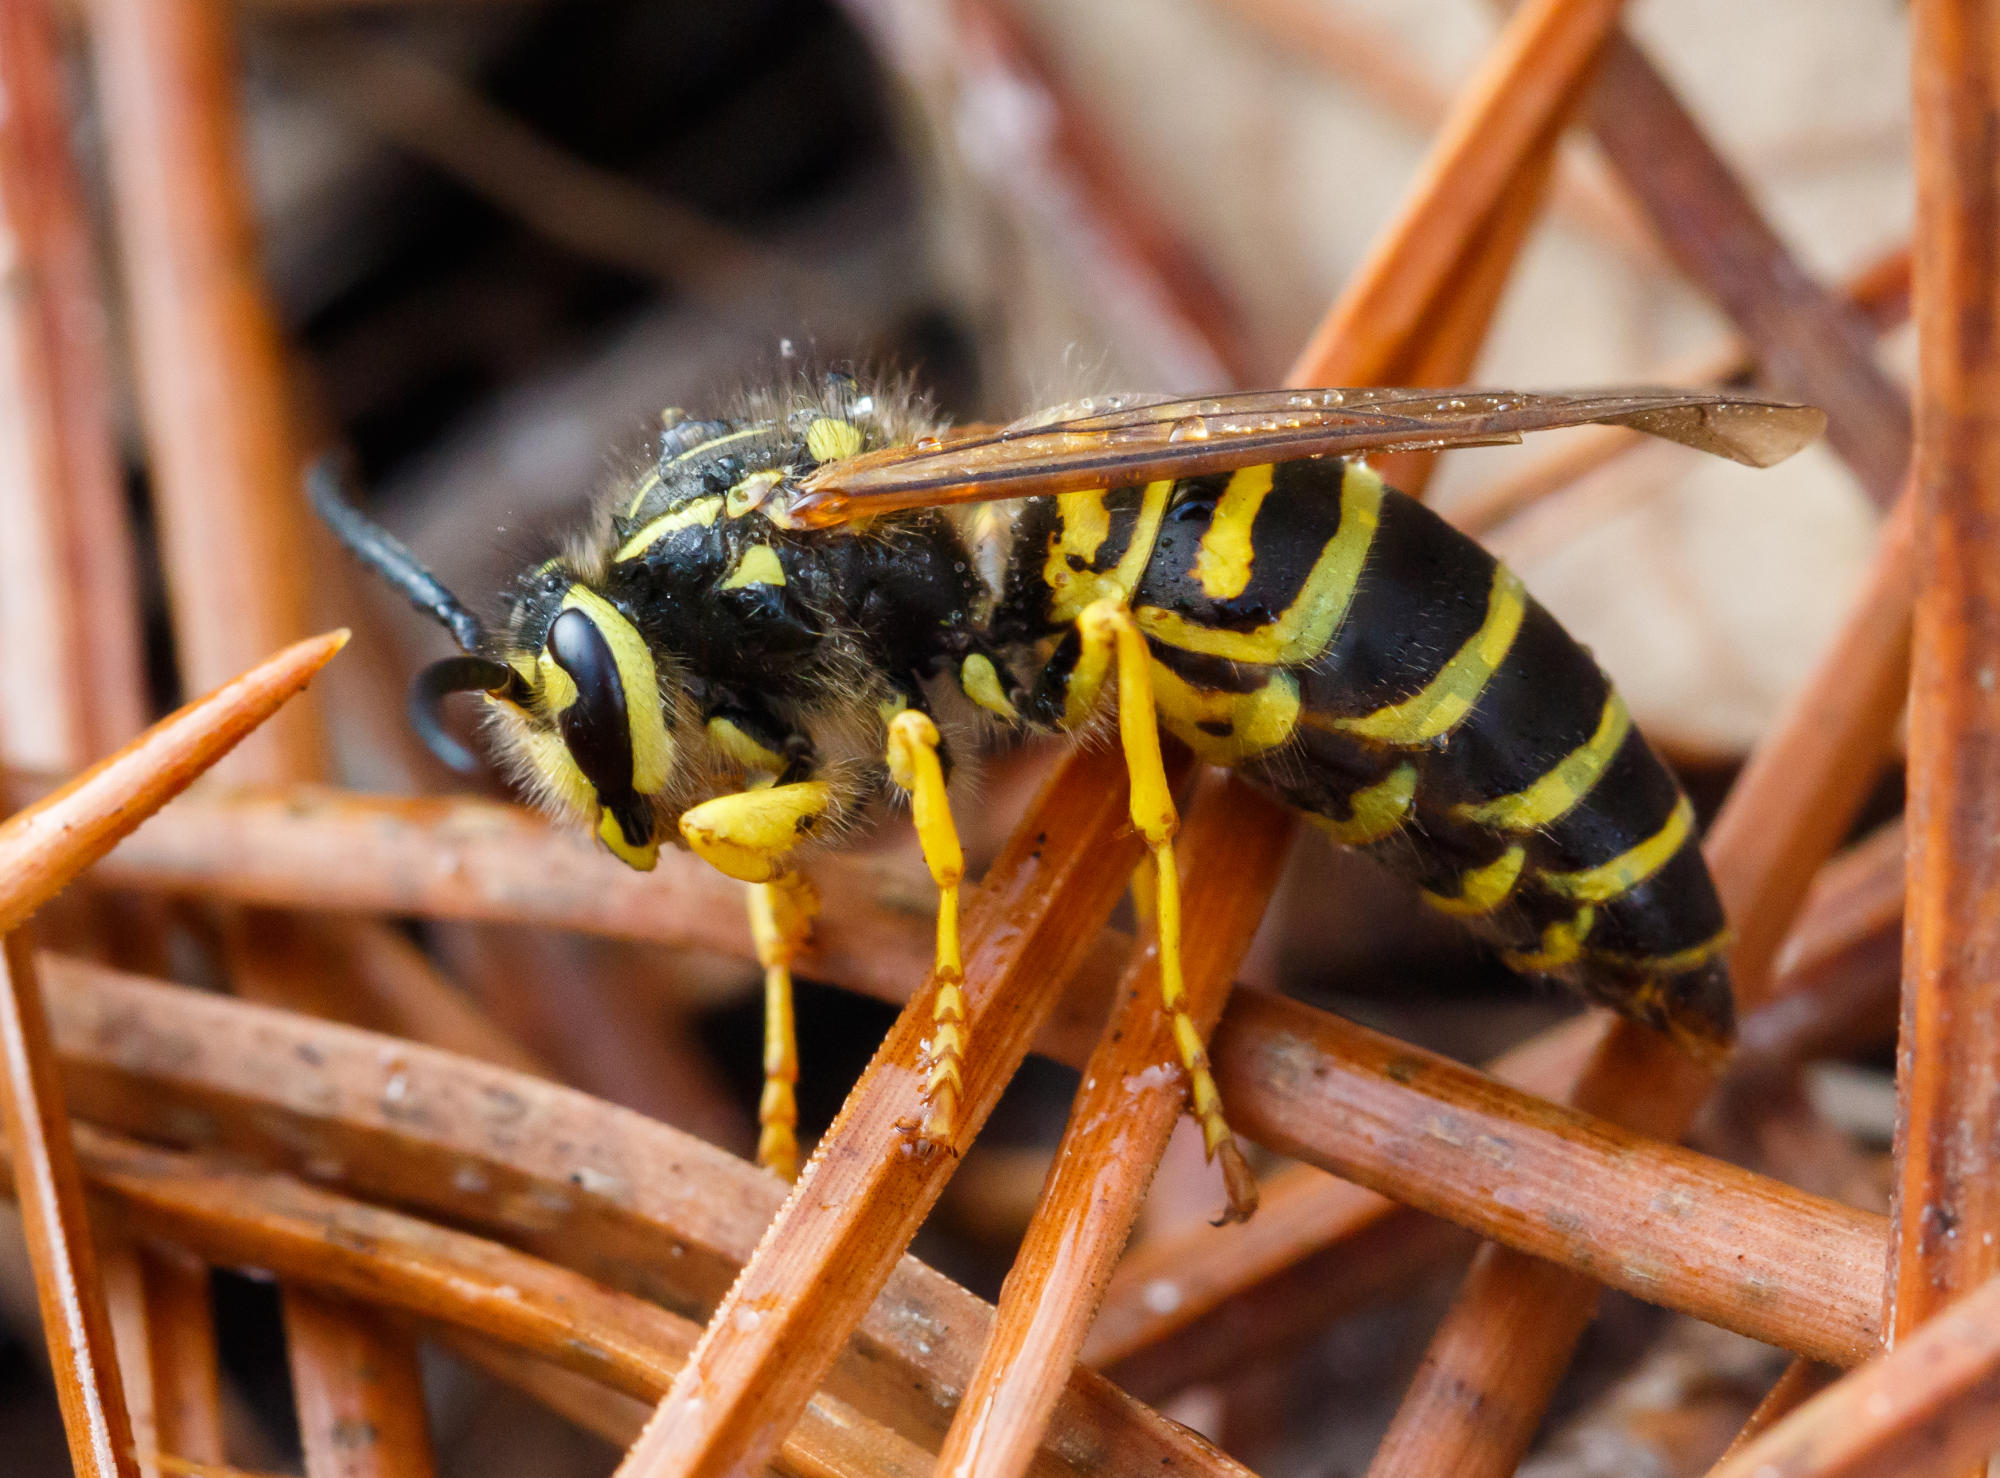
(597, 725)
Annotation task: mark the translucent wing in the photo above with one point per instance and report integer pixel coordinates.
(1117, 440)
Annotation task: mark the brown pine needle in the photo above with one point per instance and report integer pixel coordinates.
(650, 1210)
(865, 1192)
(325, 1241)
(1662, 1223)
(1118, 1129)
(75, 1320)
(1925, 1408)
(1947, 1235)
(356, 1386)
(45, 846)
(1499, 125)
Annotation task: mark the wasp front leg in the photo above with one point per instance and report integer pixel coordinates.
(1108, 640)
(781, 915)
(750, 836)
(915, 765)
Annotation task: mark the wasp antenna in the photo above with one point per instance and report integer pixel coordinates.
(437, 682)
(389, 557)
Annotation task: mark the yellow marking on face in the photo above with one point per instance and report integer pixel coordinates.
(1483, 889)
(551, 760)
(1376, 811)
(1551, 797)
(1304, 628)
(558, 689)
(1629, 868)
(741, 750)
(749, 494)
(645, 713)
(980, 681)
(700, 511)
(749, 835)
(1561, 944)
(523, 664)
(889, 707)
(1442, 704)
(758, 566)
(1257, 721)
(641, 858)
(1222, 563)
(829, 440)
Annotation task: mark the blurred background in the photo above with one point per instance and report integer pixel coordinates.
(500, 235)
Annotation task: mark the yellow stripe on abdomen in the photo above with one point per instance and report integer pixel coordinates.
(1443, 702)
(1483, 889)
(1304, 628)
(1226, 728)
(1554, 795)
(1375, 811)
(1222, 562)
(1629, 868)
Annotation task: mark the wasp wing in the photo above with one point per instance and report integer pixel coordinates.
(1117, 440)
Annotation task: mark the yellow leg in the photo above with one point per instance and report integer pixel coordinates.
(1106, 626)
(747, 836)
(913, 764)
(781, 915)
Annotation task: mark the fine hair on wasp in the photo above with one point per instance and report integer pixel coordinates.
(760, 630)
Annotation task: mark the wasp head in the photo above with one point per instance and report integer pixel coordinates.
(584, 719)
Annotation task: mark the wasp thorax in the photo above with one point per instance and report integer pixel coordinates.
(601, 688)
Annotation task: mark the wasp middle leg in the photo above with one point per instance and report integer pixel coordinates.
(915, 765)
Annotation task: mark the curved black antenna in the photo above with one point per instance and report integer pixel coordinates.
(448, 675)
(389, 557)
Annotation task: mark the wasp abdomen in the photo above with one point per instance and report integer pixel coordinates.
(1349, 649)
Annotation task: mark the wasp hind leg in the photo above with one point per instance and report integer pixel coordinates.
(1110, 637)
(915, 765)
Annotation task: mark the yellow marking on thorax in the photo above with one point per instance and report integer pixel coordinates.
(1483, 889)
(1561, 944)
(1258, 721)
(653, 478)
(758, 566)
(749, 494)
(1305, 627)
(1554, 795)
(829, 440)
(648, 485)
(1222, 564)
(1442, 704)
(701, 511)
(741, 750)
(979, 680)
(1376, 811)
(1629, 868)
(645, 713)
(1086, 524)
